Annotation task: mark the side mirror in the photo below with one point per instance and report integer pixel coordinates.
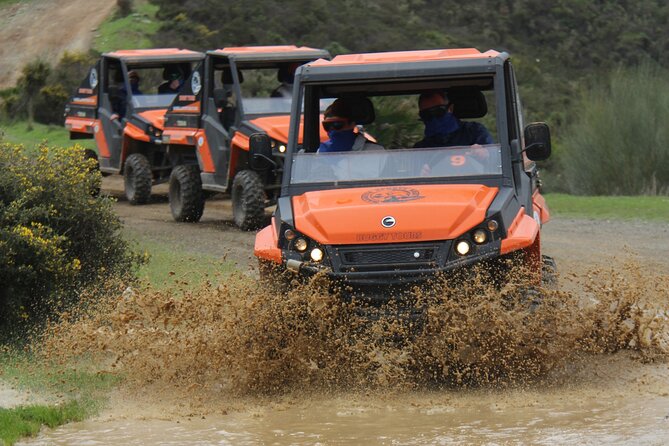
(260, 151)
(537, 141)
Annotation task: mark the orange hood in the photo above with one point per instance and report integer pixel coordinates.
(155, 117)
(277, 127)
(421, 213)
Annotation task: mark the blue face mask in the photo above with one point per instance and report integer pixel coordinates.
(442, 125)
(340, 141)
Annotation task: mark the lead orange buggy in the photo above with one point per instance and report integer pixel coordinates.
(380, 217)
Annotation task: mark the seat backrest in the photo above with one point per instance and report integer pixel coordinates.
(220, 97)
(363, 110)
(468, 102)
(226, 76)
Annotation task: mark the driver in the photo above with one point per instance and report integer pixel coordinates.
(443, 128)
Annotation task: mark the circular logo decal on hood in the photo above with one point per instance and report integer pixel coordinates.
(391, 195)
(388, 221)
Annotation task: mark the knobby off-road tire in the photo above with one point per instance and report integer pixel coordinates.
(137, 178)
(186, 196)
(248, 200)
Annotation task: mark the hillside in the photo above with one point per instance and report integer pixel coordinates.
(44, 29)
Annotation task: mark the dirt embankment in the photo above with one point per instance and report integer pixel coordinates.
(44, 29)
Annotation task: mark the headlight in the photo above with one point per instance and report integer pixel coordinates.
(316, 254)
(300, 244)
(282, 148)
(462, 247)
(289, 234)
(493, 225)
(480, 236)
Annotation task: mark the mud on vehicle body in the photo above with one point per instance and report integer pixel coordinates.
(404, 214)
(126, 121)
(232, 94)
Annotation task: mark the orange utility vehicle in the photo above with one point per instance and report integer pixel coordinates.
(403, 214)
(233, 93)
(121, 103)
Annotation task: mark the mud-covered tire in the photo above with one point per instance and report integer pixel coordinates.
(185, 194)
(90, 154)
(137, 179)
(248, 200)
(549, 272)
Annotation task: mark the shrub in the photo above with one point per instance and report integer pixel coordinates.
(124, 7)
(50, 104)
(619, 144)
(56, 238)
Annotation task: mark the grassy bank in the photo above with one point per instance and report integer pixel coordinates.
(19, 133)
(69, 394)
(131, 32)
(654, 208)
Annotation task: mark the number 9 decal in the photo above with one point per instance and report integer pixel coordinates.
(458, 160)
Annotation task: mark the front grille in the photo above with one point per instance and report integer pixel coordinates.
(387, 257)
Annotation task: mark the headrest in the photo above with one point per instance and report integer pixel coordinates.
(286, 72)
(172, 72)
(356, 108)
(226, 76)
(468, 102)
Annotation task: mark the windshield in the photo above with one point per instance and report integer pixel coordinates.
(271, 106)
(397, 164)
(152, 100)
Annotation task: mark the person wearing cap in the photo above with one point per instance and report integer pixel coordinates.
(122, 100)
(443, 128)
(134, 79)
(341, 128)
(174, 79)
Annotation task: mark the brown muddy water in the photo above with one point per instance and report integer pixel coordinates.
(235, 362)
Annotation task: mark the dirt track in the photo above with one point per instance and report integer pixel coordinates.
(577, 244)
(34, 29)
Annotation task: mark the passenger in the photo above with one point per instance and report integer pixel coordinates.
(443, 128)
(338, 122)
(134, 78)
(286, 76)
(174, 79)
(121, 102)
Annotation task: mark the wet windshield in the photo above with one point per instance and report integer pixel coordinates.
(380, 165)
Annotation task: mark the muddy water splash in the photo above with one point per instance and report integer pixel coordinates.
(240, 338)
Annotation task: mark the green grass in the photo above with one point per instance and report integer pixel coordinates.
(18, 133)
(171, 263)
(82, 393)
(27, 421)
(131, 32)
(654, 208)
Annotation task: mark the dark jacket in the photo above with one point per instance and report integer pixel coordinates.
(468, 134)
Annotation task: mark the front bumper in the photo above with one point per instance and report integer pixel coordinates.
(389, 264)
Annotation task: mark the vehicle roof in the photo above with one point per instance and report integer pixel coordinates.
(156, 55)
(271, 52)
(407, 56)
(403, 64)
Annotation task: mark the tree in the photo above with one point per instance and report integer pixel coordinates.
(34, 76)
